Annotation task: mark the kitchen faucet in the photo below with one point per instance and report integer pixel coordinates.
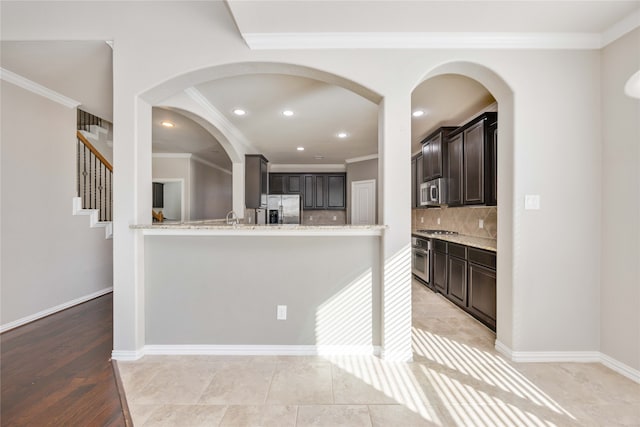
(232, 218)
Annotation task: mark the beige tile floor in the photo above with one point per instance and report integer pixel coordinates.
(456, 379)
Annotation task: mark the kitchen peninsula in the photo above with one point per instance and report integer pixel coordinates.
(214, 288)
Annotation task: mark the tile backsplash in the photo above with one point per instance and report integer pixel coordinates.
(465, 220)
(337, 217)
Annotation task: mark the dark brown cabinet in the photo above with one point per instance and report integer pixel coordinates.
(457, 274)
(482, 286)
(467, 277)
(256, 181)
(318, 191)
(413, 183)
(440, 266)
(434, 154)
(472, 162)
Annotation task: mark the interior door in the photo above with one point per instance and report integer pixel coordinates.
(363, 202)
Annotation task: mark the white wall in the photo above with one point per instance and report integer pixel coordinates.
(49, 256)
(210, 191)
(620, 288)
(174, 168)
(551, 144)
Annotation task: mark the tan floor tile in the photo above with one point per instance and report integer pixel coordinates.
(333, 416)
(141, 413)
(301, 383)
(239, 384)
(260, 415)
(400, 415)
(175, 385)
(362, 380)
(186, 415)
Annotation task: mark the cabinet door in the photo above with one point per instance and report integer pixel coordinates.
(320, 193)
(455, 162)
(482, 294)
(436, 157)
(264, 183)
(413, 183)
(336, 192)
(309, 192)
(276, 183)
(427, 161)
(493, 165)
(294, 185)
(420, 178)
(474, 164)
(457, 272)
(440, 272)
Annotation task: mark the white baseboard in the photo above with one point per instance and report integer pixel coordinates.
(568, 356)
(52, 310)
(126, 355)
(260, 350)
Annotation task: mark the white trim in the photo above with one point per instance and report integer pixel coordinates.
(94, 217)
(302, 168)
(52, 310)
(36, 88)
(569, 356)
(211, 165)
(126, 355)
(620, 28)
(422, 40)
(361, 159)
(619, 367)
(172, 155)
(261, 350)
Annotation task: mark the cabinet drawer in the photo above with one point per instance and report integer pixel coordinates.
(456, 250)
(479, 256)
(440, 246)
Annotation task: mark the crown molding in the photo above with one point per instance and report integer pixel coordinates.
(211, 165)
(622, 27)
(172, 155)
(36, 88)
(361, 159)
(422, 40)
(302, 168)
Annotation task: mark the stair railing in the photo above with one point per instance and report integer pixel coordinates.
(94, 179)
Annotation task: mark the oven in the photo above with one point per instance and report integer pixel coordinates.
(421, 259)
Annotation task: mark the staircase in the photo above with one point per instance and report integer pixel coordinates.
(94, 195)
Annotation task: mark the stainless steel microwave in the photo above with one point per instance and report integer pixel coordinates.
(434, 192)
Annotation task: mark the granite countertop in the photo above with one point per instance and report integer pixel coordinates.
(475, 242)
(214, 227)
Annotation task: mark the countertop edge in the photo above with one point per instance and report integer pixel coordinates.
(258, 230)
(476, 242)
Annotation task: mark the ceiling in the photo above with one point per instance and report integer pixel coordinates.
(321, 110)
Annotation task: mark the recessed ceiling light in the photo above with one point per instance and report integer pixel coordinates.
(239, 112)
(167, 124)
(418, 113)
(342, 135)
(287, 113)
(300, 148)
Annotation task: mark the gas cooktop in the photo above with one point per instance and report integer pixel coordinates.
(437, 232)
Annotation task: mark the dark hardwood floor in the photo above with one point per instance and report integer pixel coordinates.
(57, 370)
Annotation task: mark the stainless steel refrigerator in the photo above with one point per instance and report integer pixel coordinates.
(284, 209)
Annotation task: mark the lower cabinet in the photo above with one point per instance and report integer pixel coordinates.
(440, 266)
(467, 277)
(457, 272)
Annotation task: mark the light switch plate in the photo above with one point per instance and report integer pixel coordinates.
(480, 223)
(532, 201)
(281, 312)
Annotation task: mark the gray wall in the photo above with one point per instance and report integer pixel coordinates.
(211, 192)
(49, 257)
(360, 171)
(224, 290)
(620, 278)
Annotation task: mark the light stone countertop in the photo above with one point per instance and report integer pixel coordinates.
(475, 242)
(215, 227)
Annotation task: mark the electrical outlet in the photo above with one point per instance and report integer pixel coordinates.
(310, 218)
(438, 221)
(281, 312)
(421, 220)
(532, 202)
(480, 223)
(335, 217)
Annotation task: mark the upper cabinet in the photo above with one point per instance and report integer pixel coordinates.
(318, 190)
(434, 154)
(256, 178)
(472, 161)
